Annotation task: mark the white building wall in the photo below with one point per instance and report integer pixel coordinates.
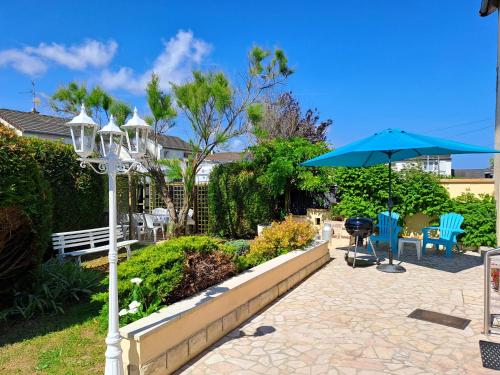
(443, 167)
(203, 175)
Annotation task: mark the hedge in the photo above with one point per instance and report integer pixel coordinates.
(237, 202)
(25, 210)
(78, 193)
(43, 190)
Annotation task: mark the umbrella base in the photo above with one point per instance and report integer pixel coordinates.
(391, 268)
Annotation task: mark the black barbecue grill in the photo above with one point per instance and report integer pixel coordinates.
(359, 228)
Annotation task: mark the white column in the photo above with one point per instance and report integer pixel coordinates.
(113, 350)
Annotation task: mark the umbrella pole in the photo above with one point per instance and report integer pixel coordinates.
(389, 205)
(390, 268)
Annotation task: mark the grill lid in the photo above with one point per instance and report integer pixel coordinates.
(359, 226)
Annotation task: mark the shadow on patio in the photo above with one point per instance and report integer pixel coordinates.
(432, 259)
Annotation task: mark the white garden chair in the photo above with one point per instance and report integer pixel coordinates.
(152, 226)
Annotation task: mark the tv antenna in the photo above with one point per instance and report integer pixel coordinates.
(34, 99)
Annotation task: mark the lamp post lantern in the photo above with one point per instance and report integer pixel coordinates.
(83, 133)
(83, 130)
(136, 132)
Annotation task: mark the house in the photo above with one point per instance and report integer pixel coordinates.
(473, 173)
(439, 164)
(171, 147)
(34, 124)
(203, 175)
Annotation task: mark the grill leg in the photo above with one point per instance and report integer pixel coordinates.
(346, 256)
(355, 253)
(373, 248)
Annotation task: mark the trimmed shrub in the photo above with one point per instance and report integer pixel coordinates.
(25, 210)
(479, 219)
(169, 271)
(237, 202)
(279, 238)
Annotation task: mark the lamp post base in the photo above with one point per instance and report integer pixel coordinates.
(391, 268)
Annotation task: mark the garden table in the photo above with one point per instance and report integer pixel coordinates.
(415, 241)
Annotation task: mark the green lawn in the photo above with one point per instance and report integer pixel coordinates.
(67, 344)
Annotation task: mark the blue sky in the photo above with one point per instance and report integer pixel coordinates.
(426, 66)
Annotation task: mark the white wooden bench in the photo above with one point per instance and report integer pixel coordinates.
(88, 241)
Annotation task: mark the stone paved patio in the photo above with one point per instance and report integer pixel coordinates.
(345, 321)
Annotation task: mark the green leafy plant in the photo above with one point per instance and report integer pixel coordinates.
(238, 247)
(479, 214)
(54, 285)
(138, 307)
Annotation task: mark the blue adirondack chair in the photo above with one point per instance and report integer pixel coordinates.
(383, 231)
(449, 228)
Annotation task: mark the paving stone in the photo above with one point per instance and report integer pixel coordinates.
(354, 321)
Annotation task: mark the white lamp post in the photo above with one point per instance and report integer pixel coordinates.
(83, 133)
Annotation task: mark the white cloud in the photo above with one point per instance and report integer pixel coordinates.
(35, 60)
(89, 53)
(182, 53)
(236, 145)
(22, 62)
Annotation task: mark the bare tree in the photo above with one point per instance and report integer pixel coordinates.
(282, 118)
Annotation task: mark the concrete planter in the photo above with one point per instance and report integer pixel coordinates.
(166, 340)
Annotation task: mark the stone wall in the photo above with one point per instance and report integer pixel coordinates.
(166, 340)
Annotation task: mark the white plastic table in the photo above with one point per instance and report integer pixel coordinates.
(415, 241)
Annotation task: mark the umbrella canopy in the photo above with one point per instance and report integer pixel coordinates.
(392, 145)
(388, 146)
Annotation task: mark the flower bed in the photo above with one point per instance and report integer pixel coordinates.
(170, 271)
(165, 340)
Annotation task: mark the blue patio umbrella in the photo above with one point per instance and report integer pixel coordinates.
(385, 147)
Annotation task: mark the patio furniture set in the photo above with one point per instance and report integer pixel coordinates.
(150, 224)
(388, 230)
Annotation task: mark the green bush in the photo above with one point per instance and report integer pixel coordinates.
(25, 210)
(54, 285)
(237, 202)
(364, 192)
(279, 238)
(163, 269)
(479, 219)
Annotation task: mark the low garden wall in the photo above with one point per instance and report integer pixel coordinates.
(458, 186)
(166, 340)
